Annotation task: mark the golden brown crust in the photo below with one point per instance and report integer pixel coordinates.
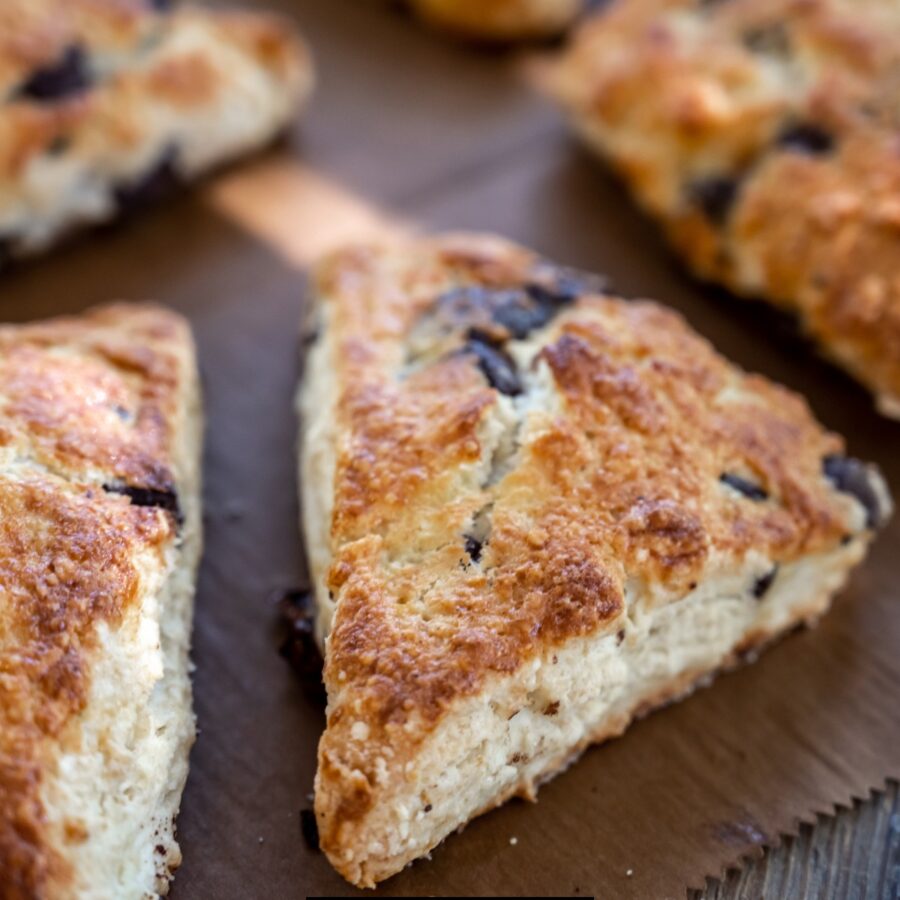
(35, 33)
(471, 531)
(109, 114)
(130, 100)
(763, 134)
(499, 20)
(84, 403)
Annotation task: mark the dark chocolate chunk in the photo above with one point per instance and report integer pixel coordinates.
(59, 145)
(156, 184)
(714, 196)
(750, 490)
(473, 547)
(763, 583)
(497, 366)
(64, 78)
(854, 477)
(522, 314)
(299, 646)
(773, 39)
(309, 828)
(427, 808)
(166, 499)
(805, 137)
(520, 310)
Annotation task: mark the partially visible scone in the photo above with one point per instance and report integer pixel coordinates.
(105, 104)
(499, 20)
(100, 436)
(534, 511)
(763, 134)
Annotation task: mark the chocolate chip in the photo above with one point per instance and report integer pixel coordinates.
(166, 499)
(854, 477)
(521, 314)
(520, 310)
(763, 583)
(714, 196)
(155, 184)
(773, 39)
(807, 138)
(497, 366)
(309, 828)
(66, 77)
(750, 490)
(299, 646)
(473, 547)
(59, 145)
(428, 808)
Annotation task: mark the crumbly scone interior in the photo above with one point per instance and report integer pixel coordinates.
(104, 492)
(504, 467)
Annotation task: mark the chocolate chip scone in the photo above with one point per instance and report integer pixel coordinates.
(105, 104)
(764, 135)
(100, 435)
(499, 20)
(534, 511)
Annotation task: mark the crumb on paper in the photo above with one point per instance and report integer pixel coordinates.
(629, 872)
(513, 841)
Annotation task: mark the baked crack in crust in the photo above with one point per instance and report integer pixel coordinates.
(534, 510)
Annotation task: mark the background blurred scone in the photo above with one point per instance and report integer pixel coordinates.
(499, 20)
(534, 511)
(99, 540)
(763, 133)
(104, 104)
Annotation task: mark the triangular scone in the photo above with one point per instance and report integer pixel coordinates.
(105, 104)
(763, 135)
(534, 511)
(100, 435)
(499, 20)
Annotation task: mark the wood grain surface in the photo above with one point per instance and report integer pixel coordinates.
(853, 855)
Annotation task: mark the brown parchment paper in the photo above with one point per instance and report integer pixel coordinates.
(406, 128)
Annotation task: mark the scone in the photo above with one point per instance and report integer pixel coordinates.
(99, 539)
(105, 104)
(763, 134)
(499, 20)
(534, 511)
